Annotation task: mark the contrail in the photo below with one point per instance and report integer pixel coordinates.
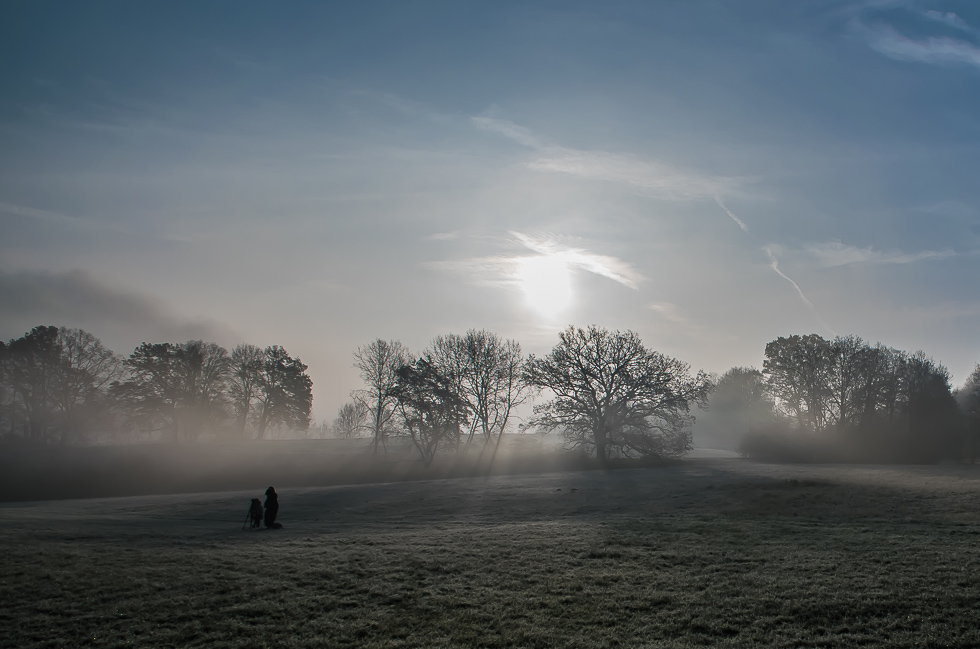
(774, 264)
(740, 222)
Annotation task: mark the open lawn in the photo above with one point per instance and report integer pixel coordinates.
(714, 551)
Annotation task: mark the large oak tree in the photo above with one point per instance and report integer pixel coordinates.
(613, 396)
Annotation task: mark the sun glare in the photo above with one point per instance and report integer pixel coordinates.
(546, 282)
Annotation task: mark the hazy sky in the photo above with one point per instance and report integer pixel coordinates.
(709, 174)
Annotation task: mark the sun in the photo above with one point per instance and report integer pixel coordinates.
(546, 282)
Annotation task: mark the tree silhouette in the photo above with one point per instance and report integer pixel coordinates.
(797, 370)
(969, 400)
(488, 372)
(351, 419)
(286, 392)
(612, 396)
(81, 382)
(377, 363)
(33, 363)
(181, 387)
(738, 403)
(244, 382)
(431, 409)
(155, 388)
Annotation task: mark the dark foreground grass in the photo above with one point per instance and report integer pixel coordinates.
(723, 553)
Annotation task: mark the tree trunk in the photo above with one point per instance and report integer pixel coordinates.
(174, 423)
(263, 423)
(379, 427)
(600, 447)
(244, 420)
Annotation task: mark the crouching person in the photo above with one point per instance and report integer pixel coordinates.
(271, 509)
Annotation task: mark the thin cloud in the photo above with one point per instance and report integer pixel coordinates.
(493, 271)
(774, 264)
(834, 253)
(885, 40)
(737, 220)
(950, 19)
(669, 312)
(771, 251)
(610, 267)
(443, 236)
(505, 270)
(54, 217)
(651, 177)
(510, 130)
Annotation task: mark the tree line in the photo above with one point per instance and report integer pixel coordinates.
(604, 392)
(61, 386)
(847, 396)
(609, 395)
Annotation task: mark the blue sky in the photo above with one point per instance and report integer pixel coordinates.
(710, 174)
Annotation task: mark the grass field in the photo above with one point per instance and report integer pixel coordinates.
(721, 552)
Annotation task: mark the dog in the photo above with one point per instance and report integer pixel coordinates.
(255, 513)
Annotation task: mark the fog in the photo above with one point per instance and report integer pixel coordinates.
(151, 468)
(77, 419)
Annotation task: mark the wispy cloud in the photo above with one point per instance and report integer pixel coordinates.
(737, 220)
(609, 267)
(510, 130)
(949, 18)
(774, 264)
(834, 253)
(494, 270)
(669, 312)
(443, 236)
(932, 50)
(505, 270)
(938, 49)
(651, 177)
(771, 251)
(54, 217)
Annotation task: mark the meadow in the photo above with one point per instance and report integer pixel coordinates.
(710, 552)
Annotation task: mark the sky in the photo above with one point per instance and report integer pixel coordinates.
(711, 175)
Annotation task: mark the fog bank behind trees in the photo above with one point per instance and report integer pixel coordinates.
(844, 399)
(61, 386)
(603, 394)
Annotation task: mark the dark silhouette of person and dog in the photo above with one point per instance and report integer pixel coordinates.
(257, 515)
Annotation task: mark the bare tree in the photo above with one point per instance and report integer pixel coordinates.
(82, 379)
(431, 410)
(613, 396)
(181, 386)
(33, 363)
(488, 372)
(206, 368)
(245, 381)
(377, 363)
(351, 420)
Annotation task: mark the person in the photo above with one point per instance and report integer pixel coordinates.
(271, 509)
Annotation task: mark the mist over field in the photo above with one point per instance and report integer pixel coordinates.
(513, 324)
